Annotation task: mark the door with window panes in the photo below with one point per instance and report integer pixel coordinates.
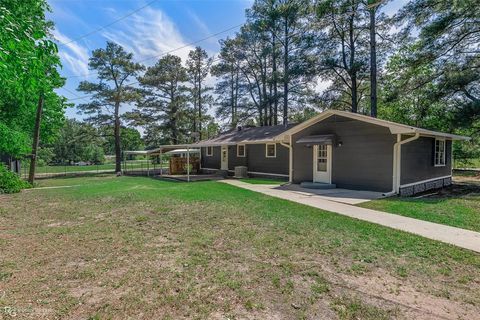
(322, 163)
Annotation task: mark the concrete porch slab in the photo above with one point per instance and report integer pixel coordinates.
(339, 195)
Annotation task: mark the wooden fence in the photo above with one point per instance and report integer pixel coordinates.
(178, 165)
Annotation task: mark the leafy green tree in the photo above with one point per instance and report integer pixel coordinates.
(163, 110)
(131, 140)
(77, 141)
(229, 87)
(298, 44)
(448, 38)
(435, 76)
(377, 22)
(345, 53)
(115, 67)
(30, 110)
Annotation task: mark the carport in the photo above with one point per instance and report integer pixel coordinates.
(160, 152)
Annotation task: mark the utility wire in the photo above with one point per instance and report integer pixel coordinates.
(77, 97)
(109, 24)
(170, 51)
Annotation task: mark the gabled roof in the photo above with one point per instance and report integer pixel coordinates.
(246, 135)
(395, 128)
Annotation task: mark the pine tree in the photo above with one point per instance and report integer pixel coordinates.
(115, 67)
(198, 68)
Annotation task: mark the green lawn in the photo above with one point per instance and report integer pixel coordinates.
(140, 248)
(459, 210)
(472, 163)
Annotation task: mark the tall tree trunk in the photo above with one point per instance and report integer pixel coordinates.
(270, 105)
(285, 73)
(200, 108)
(264, 93)
(173, 118)
(236, 97)
(36, 138)
(232, 99)
(118, 147)
(353, 67)
(195, 98)
(373, 65)
(274, 71)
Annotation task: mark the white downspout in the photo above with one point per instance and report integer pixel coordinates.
(290, 159)
(397, 162)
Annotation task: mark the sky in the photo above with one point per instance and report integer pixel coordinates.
(145, 27)
(148, 28)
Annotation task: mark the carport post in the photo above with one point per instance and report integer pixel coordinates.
(188, 164)
(161, 163)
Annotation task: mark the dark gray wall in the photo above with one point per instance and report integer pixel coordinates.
(212, 162)
(364, 161)
(255, 159)
(233, 160)
(418, 161)
(257, 162)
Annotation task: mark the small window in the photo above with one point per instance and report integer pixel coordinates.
(240, 150)
(209, 151)
(270, 150)
(439, 153)
(322, 158)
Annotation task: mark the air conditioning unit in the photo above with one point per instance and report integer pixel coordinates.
(241, 172)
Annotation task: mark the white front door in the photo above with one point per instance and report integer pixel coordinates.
(224, 158)
(322, 163)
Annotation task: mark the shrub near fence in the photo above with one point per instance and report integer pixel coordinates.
(10, 182)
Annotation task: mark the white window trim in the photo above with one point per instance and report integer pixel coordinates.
(274, 148)
(444, 153)
(211, 153)
(244, 150)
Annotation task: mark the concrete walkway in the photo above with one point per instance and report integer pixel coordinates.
(456, 236)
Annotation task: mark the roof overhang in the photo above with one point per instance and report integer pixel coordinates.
(317, 139)
(179, 151)
(395, 128)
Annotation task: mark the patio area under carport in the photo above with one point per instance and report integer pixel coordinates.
(154, 164)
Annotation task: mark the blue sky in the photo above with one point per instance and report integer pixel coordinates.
(156, 27)
(161, 26)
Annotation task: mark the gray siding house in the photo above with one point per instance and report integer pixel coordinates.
(338, 149)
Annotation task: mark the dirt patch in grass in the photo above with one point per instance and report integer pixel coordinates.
(208, 250)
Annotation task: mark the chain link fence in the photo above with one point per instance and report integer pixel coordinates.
(131, 166)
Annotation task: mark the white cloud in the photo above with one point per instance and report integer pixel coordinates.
(72, 54)
(147, 34)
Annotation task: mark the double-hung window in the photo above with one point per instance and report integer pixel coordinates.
(439, 153)
(209, 151)
(271, 150)
(240, 150)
